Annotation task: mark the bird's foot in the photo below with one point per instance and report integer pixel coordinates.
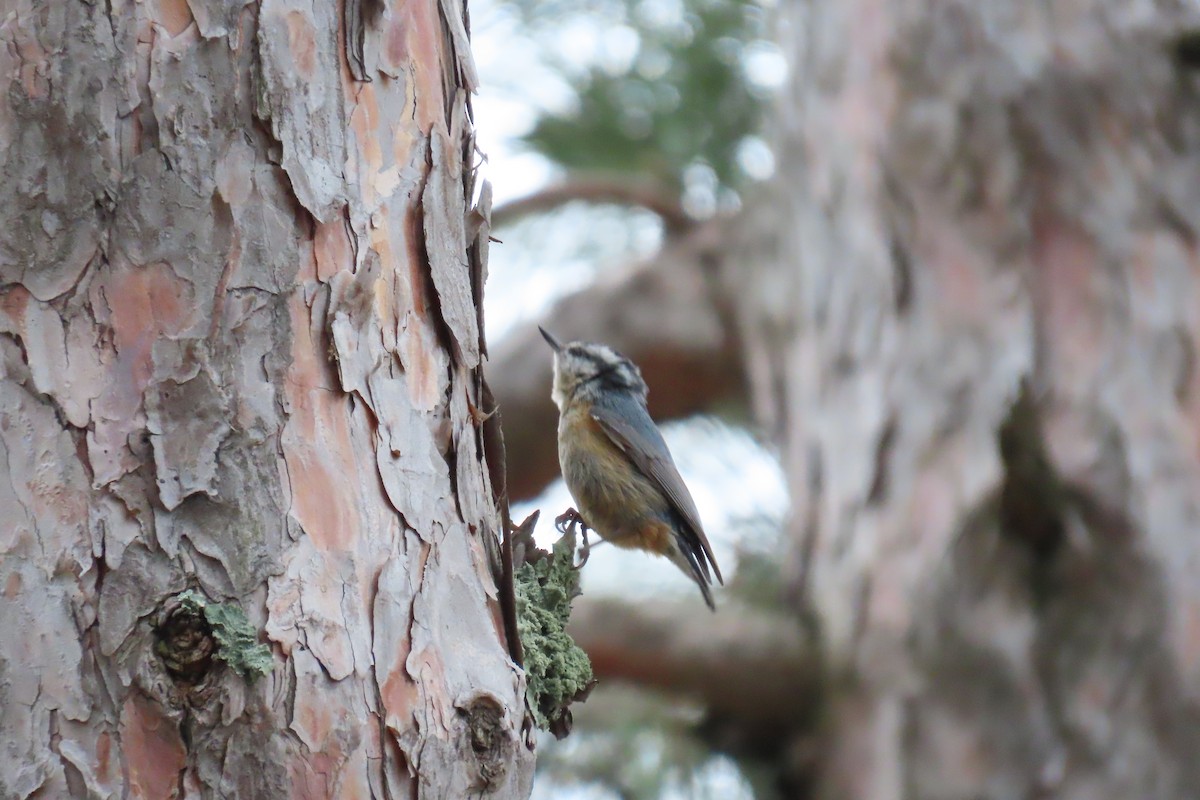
(568, 519)
(566, 523)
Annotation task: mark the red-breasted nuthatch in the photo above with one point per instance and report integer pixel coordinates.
(616, 464)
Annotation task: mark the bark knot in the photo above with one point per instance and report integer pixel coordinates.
(490, 740)
(1033, 495)
(184, 641)
(194, 630)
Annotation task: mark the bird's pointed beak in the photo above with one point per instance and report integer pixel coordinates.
(553, 342)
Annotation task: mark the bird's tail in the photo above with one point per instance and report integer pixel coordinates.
(681, 556)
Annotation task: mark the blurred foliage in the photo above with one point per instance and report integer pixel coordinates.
(670, 99)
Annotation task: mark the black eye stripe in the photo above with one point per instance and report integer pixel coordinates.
(593, 357)
(597, 361)
(611, 371)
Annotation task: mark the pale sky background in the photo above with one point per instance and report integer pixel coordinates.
(737, 484)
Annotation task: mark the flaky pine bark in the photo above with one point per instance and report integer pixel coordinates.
(242, 357)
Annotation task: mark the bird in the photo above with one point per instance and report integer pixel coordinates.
(616, 464)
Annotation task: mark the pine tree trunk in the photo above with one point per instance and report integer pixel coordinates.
(241, 363)
(972, 318)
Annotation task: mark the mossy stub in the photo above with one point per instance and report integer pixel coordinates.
(557, 670)
(236, 639)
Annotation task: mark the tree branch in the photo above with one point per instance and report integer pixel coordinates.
(599, 189)
(748, 667)
(664, 314)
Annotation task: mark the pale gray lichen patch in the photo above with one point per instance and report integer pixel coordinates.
(235, 638)
(557, 670)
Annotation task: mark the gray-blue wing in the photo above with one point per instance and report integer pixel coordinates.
(630, 428)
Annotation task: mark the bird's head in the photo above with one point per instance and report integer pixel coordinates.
(584, 370)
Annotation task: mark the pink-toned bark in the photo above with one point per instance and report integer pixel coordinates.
(239, 347)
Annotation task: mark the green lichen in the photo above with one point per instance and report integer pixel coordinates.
(237, 640)
(557, 670)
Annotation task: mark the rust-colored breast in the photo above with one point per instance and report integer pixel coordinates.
(621, 504)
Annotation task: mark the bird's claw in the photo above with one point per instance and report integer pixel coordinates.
(565, 523)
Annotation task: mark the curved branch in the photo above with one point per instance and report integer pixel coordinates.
(599, 189)
(663, 313)
(745, 665)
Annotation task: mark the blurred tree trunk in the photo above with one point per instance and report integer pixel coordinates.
(240, 347)
(967, 306)
(973, 309)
